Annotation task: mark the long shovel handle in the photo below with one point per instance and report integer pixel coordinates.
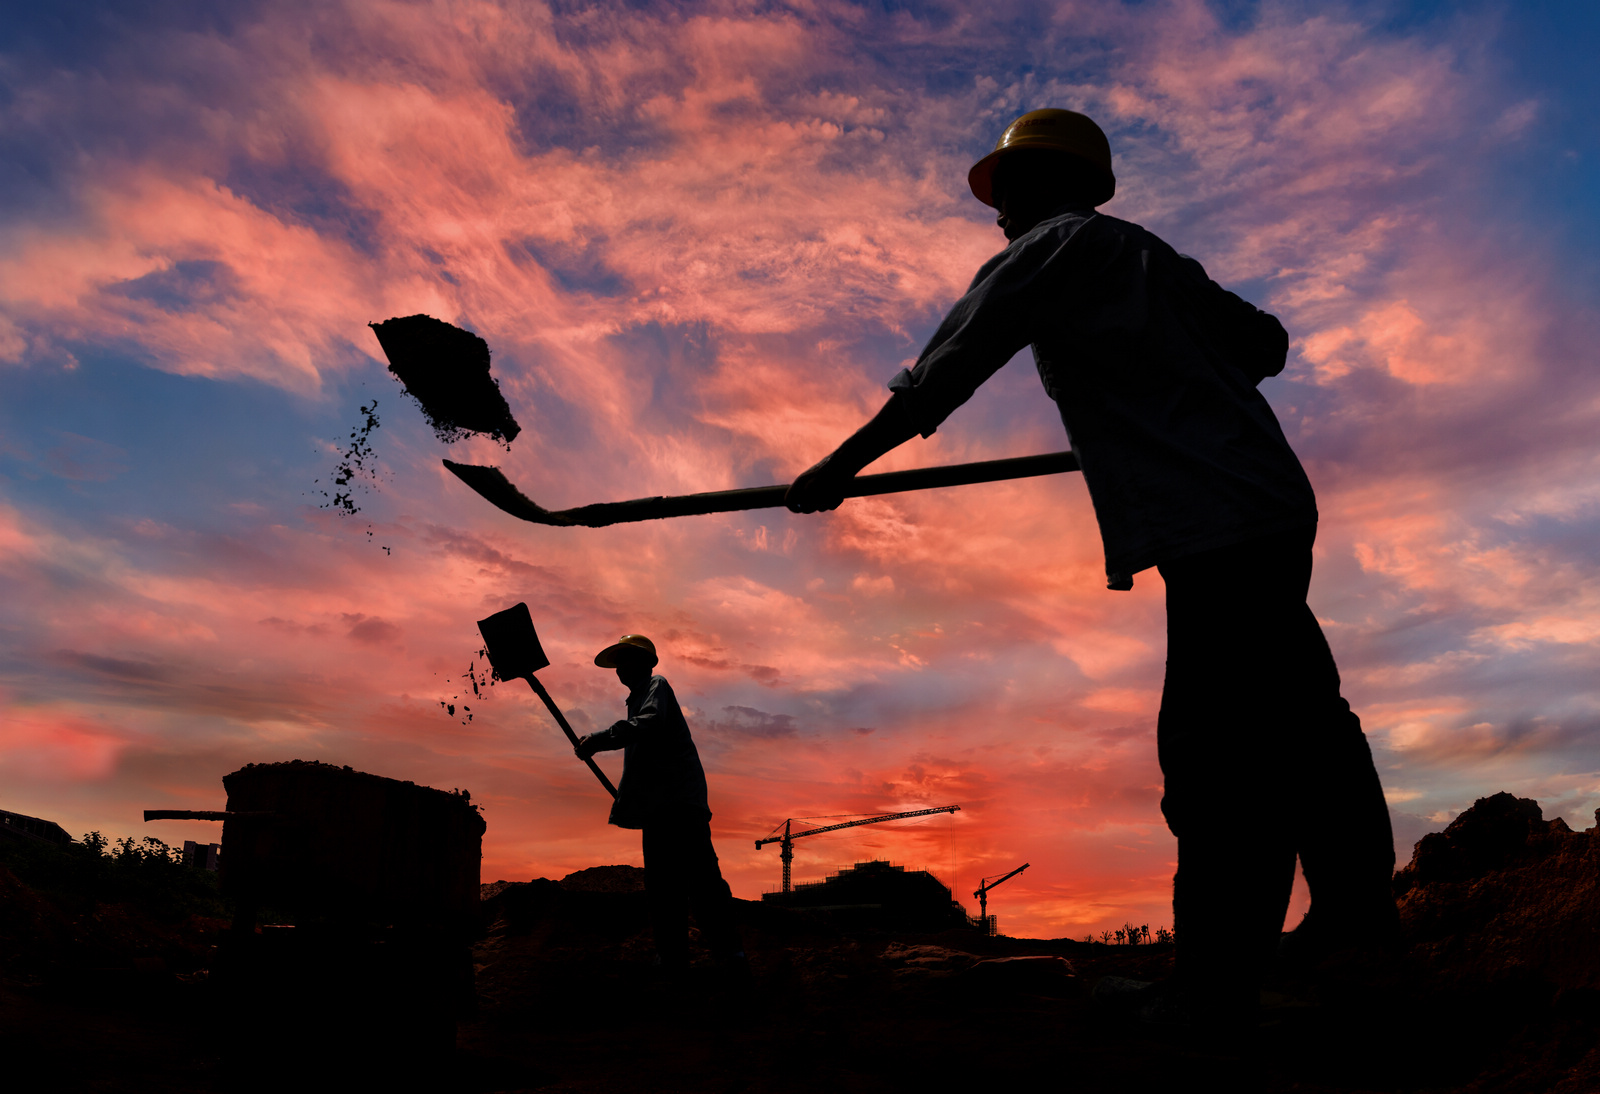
(561, 720)
(495, 488)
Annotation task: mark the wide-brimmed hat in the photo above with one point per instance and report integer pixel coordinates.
(628, 647)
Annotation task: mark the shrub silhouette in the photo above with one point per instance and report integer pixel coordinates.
(96, 870)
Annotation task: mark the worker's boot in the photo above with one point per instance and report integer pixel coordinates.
(1332, 960)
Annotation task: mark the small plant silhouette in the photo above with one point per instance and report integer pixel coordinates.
(1129, 935)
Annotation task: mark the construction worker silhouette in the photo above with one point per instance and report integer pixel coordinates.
(663, 792)
(1154, 367)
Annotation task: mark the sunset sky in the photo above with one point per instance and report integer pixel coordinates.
(699, 240)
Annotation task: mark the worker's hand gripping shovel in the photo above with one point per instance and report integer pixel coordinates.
(514, 651)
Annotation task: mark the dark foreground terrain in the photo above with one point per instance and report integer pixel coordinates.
(1497, 993)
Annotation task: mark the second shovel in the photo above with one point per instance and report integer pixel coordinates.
(514, 651)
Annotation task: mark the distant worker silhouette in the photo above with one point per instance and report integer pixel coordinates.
(1154, 367)
(663, 792)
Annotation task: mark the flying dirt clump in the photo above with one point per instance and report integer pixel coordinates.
(446, 370)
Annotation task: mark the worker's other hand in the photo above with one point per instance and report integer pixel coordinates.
(818, 488)
(585, 747)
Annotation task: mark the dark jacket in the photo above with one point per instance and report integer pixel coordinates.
(1154, 367)
(662, 779)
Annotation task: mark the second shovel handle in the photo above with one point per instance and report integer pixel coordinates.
(561, 720)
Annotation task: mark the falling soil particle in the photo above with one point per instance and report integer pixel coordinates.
(480, 681)
(446, 370)
(356, 469)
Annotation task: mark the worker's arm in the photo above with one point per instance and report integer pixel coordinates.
(821, 486)
(623, 733)
(605, 740)
(998, 316)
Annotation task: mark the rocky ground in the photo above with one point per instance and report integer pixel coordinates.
(1500, 992)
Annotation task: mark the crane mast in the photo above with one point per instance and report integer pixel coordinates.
(786, 841)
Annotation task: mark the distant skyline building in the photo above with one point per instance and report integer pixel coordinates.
(206, 856)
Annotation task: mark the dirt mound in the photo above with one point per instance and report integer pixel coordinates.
(1503, 894)
(488, 890)
(605, 879)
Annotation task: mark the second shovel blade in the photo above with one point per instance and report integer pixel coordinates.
(513, 646)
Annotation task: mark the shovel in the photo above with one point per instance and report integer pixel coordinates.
(446, 369)
(514, 651)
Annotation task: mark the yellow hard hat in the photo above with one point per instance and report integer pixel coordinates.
(1061, 130)
(629, 645)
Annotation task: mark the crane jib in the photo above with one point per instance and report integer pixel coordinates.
(760, 843)
(985, 885)
(788, 837)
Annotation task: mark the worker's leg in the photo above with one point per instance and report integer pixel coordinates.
(1345, 841)
(1336, 803)
(709, 894)
(665, 882)
(1230, 763)
(1229, 896)
(1254, 735)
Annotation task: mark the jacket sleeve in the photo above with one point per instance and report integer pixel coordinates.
(609, 739)
(625, 732)
(1003, 311)
(1252, 340)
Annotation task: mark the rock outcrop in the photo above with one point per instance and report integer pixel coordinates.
(1503, 894)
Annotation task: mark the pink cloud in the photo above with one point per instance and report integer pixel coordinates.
(54, 746)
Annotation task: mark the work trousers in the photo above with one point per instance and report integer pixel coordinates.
(1263, 761)
(680, 870)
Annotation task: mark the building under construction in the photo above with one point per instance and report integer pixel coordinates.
(881, 894)
(26, 829)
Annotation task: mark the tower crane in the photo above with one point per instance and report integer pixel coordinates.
(787, 839)
(982, 892)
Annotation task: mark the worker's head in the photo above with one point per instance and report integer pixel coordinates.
(633, 656)
(1044, 160)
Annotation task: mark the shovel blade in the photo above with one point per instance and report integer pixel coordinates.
(514, 649)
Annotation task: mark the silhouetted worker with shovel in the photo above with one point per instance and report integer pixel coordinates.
(1154, 367)
(663, 792)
